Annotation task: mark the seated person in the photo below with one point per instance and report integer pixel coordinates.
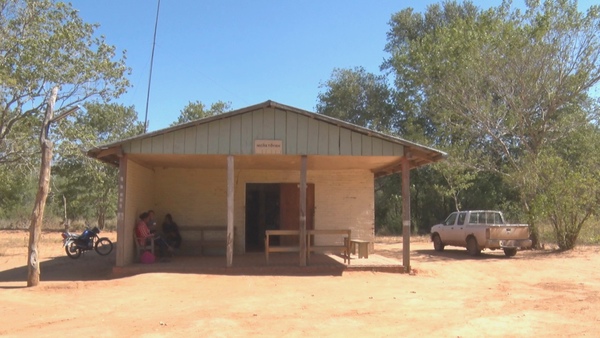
(171, 231)
(144, 235)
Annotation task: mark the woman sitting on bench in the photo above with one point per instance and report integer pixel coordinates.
(144, 235)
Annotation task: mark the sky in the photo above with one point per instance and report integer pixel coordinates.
(239, 51)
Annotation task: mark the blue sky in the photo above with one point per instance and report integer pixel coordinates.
(243, 52)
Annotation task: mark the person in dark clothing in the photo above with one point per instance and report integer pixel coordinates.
(171, 231)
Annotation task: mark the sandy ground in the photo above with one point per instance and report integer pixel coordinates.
(536, 293)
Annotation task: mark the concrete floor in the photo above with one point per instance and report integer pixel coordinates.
(255, 264)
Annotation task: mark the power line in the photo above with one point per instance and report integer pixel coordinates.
(151, 64)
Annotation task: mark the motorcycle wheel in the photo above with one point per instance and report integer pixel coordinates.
(103, 246)
(73, 250)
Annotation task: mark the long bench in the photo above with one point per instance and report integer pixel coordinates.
(341, 244)
(205, 236)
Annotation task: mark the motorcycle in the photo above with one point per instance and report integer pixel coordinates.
(76, 244)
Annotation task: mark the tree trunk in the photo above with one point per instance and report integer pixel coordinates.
(65, 218)
(37, 215)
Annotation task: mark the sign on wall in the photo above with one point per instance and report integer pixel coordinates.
(271, 147)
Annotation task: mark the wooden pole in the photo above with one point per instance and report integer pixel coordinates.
(406, 213)
(230, 192)
(37, 214)
(124, 229)
(302, 239)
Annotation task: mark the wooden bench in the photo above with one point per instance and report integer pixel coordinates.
(279, 248)
(205, 237)
(363, 247)
(341, 246)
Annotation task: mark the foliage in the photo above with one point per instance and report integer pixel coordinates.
(16, 191)
(496, 88)
(89, 186)
(568, 185)
(44, 45)
(358, 97)
(197, 110)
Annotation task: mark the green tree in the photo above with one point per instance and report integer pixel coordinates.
(45, 44)
(50, 59)
(358, 97)
(89, 186)
(497, 87)
(197, 110)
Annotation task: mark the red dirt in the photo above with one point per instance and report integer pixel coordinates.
(536, 293)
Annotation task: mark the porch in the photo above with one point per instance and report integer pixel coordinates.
(254, 263)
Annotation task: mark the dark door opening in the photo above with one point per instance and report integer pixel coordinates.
(275, 206)
(262, 213)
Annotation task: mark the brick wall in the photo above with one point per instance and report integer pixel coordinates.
(343, 198)
(139, 198)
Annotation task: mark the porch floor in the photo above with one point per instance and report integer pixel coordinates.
(255, 264)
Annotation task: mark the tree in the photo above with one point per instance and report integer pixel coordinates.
(565, 181)
(31, 32)
(502, 86)
(50, 57)
(358, 97)
(197, 110)
(89, 186)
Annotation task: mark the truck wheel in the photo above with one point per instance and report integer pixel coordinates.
(437, 243)
(509, 252)
(472, 246)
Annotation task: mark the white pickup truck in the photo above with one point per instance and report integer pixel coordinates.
(480, 229)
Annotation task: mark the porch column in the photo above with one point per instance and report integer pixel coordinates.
(230, 191)
(121, 226)
(302, 239)
(406, 213)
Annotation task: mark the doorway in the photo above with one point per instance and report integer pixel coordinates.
(275, 206)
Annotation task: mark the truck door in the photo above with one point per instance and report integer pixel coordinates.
(458, 233)
(447, 228)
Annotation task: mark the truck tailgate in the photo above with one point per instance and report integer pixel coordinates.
(505, 232)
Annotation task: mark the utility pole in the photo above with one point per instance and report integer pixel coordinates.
(151, 64)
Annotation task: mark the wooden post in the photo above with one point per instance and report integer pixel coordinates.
(230, 192)
(302, 239)
(406, 213)
(124, 229)
(37, 214)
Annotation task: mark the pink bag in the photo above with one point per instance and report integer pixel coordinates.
(147, 257)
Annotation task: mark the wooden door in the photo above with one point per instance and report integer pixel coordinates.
(289, 204)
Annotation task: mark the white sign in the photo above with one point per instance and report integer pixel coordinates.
(271, 147)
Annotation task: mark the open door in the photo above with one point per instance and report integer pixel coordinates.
(289, 195)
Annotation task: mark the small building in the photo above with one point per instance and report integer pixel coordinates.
(246, 169)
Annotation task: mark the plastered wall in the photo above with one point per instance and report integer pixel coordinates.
(343, 199)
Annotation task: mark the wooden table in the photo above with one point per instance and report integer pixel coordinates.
(269, 248)
(340, 246)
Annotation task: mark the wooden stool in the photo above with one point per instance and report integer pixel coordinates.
(363, 247)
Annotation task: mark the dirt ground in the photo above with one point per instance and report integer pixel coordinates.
(536, 293)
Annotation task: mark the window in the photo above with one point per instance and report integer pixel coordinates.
(451, 219)
(461, 218)
(474, 218)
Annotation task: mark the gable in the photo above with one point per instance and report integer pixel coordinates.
(288, 130)
(236, 135)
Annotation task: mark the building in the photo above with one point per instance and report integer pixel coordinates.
(247, 169)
